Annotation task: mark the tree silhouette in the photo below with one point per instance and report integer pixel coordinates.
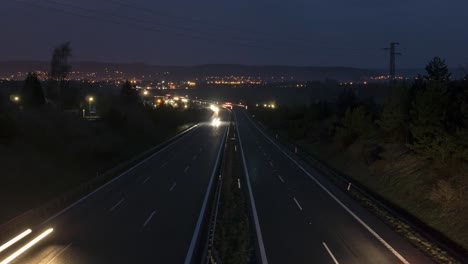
(395, 113)
(128, 95)
(59, 68)
(437, 70)
(346, 100)
(32, 94)
(428, 127)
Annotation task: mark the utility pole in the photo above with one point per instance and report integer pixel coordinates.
(393, 53)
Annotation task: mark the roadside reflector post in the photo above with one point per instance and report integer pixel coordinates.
(349, 186)
(276, 136)
(295, 150)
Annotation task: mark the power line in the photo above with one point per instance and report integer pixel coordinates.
(205, 22)
(164, 28)
(140, 24)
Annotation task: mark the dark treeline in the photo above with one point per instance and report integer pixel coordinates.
(412, 149)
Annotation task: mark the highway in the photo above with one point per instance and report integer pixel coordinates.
(150, 214)
(300, 217)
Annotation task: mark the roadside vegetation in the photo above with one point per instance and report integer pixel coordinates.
(46, 150)
(412, 149)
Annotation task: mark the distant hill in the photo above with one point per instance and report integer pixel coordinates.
(138, 70)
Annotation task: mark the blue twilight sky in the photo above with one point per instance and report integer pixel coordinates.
(187, 32)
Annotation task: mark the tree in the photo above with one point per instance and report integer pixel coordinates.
(346, 100)
(462, 129)
(128, 95)
(428, 126)
(355, 123)
(59, 69)
(32, 94)
(394, 117)
(437, 70)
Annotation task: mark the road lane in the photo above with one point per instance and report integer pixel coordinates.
(296, 215)
(148, 214)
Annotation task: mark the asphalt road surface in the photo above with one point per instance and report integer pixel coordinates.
(148, 215)
(300, 217)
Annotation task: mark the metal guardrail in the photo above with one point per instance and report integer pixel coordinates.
(356, 190)
(34, 216)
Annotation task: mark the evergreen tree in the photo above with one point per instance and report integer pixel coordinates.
(437, 70)
(32, 94)
(128, 95)
(428, 127)
(355, 123)
(346, 100)
(462, 130)
(59, 69)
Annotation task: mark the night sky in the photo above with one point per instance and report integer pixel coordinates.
(187, 32)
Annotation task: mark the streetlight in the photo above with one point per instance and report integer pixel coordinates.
(90, 100)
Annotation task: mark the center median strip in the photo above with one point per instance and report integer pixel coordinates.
(196, 234)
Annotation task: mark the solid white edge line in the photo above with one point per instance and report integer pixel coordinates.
(60, 253)
(196, 232)
(117, 204)
(330, 253)
(377, 236)
(261, 245)
(15, 239)
(297, 203)
(187, 132)
(27, 246)
(149, 218)
(147, 178)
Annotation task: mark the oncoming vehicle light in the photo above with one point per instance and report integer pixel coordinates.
(216, 122)
(214, 108)
(27, 246)
(15, 239)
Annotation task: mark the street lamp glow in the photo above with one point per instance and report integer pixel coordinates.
(145, 92)
(16, 98)
(91, 98)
